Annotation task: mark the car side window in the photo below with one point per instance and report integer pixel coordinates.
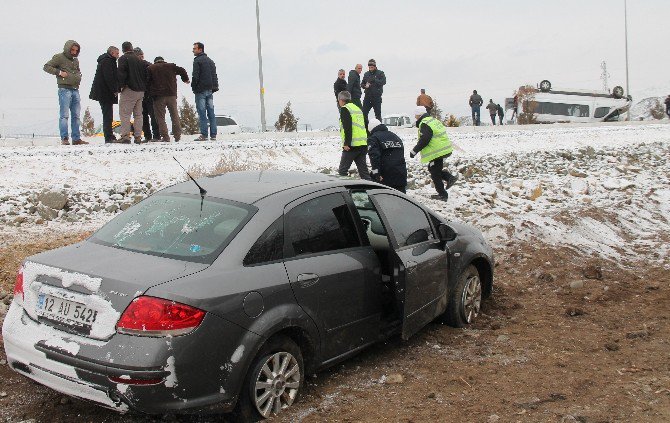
(269, 246)
(321, 224)
(407, 220)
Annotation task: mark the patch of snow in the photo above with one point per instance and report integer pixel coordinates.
(171, 379)
(237, 355)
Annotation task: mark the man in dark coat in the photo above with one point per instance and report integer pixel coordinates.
(354, 85)
(493, 110)
(373, 83)
(132, 77)
(387, 156)
(105, 89)
(149, 122)
(339, 85)
(476, 102)
(667, 106)
(204, 83)
(162, 84)
(501, 114)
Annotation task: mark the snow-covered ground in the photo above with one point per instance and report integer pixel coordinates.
(601, 189)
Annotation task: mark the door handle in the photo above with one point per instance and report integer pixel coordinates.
(307, 279)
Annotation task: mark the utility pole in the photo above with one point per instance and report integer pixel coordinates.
(625, 16)
(260, 67)
(605, 76)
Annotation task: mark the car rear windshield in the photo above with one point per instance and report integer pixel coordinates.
(178, 226)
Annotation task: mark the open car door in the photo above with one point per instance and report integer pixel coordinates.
(420, 266)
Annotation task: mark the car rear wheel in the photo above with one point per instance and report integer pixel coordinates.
(465, 300)
(274, 380)
(545, 86)
(617, 92)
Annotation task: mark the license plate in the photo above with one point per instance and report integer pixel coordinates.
(65, 311)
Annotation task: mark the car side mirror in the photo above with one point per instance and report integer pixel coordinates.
(447, 233)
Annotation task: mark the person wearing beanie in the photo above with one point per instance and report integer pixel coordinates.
(434, 146)
(373, 83)
(354, 137)
(162, 86)
(387, 156)
(132, 76)
(150, 124)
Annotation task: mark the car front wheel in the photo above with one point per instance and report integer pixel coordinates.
(274, 380)
(465, 300)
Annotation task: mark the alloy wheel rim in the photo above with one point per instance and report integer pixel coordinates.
(277, 384)
(472, 298)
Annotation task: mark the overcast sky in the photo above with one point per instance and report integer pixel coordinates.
(449, 47)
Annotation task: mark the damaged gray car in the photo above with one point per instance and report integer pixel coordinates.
(221, 297)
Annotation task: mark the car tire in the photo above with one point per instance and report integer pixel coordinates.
(545, 86)
(284, 381)
(465, 299)
(617, 92)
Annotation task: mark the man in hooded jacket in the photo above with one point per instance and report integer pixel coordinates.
(387, 156)
(373, 83)
(105, 89)
(65, 66)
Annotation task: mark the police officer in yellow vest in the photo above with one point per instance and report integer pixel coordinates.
(354, 137)
(434, 146)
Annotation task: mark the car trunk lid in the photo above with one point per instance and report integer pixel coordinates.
(84, 288)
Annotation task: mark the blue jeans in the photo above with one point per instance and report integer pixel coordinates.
(204, 104)
(70, 104)
(476, 116)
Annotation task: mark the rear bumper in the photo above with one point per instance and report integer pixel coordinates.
(193, 376)
(24, 358)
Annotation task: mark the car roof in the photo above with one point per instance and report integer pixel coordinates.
(252, 186)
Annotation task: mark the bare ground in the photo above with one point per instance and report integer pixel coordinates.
(541, 351)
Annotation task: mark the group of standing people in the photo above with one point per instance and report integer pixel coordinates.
(141, 89)
(372, 84)
(476, 102)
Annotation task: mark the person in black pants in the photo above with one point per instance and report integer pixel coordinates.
(373, 83)
(387, 156)
(105, 89)
(339, 85)
(149, 123)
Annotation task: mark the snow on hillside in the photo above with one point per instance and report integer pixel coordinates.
(641, 110)
(593, 188)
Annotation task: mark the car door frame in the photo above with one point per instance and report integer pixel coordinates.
(414, 320)
(371, 335)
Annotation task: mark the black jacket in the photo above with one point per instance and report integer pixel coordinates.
(667, 103)
(377, 80)
(204, 74)
(354, 85)
(132, 73)
(476, 100)
(339, 85)
(387, 157)
(105, 84)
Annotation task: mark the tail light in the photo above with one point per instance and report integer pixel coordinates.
(151, 316)
(18, 287)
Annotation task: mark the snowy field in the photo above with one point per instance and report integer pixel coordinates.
(600, 189)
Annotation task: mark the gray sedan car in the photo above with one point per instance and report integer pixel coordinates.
(224, 298)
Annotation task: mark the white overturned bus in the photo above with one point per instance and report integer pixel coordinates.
(554, 106)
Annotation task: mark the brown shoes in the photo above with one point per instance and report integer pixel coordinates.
(65, 141)
(79, 142)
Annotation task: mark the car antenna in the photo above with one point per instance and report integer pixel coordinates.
(202, 190)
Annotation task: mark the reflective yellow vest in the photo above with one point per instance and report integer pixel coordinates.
(439, 145)
(359, 136)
